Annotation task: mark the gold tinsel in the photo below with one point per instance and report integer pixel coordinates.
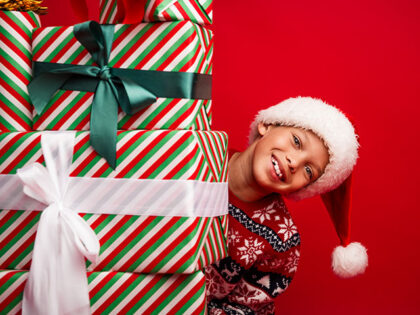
(23, 5)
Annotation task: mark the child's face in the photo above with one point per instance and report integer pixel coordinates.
(287, 159)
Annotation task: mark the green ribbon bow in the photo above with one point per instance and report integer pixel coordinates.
(131, 89)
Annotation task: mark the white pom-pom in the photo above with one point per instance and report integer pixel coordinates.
(349, 261)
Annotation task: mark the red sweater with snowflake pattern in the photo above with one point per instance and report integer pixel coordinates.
(264, 249)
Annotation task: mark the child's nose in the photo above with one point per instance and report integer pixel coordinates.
(291, 163)
(294, 160)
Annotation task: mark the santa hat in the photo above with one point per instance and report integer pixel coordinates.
(334, 185)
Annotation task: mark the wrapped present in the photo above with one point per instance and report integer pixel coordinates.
(168, 189)
(165, 214)
(197, 11)
(15, 69)
(121, 293)
(157, 73)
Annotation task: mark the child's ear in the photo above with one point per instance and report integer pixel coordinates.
(262, 128)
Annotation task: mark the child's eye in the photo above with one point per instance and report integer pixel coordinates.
(296, 140)
(309, 171)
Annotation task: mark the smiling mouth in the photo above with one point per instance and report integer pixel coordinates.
(277, 169)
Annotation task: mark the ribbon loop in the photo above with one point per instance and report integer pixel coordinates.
(84, 237)
(97, 39)
(63, 238)
(38, 184)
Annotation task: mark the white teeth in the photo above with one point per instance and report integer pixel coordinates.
(276, 167)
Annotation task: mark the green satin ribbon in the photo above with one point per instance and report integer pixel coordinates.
(131, 89)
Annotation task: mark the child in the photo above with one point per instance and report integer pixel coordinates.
(299, 148)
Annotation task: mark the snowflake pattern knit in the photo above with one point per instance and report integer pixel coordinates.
(264, 247)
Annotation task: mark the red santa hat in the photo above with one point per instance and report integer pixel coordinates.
(334, 185)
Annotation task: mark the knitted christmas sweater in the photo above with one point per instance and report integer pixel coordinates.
(264, 246)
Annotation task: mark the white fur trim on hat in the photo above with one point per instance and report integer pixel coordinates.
(326, 121)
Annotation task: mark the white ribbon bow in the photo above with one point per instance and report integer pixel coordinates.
(57, 281)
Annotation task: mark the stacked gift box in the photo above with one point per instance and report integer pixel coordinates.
(145, 174)
(122, 292)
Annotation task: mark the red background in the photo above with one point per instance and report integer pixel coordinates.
(362, 56)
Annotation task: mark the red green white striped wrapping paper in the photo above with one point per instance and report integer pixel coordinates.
(16, 69)
(197, 11)
(122, 293)
(172, 46)
(128, 243)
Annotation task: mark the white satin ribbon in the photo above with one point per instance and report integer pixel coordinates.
(183, 198)
(57, 281)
